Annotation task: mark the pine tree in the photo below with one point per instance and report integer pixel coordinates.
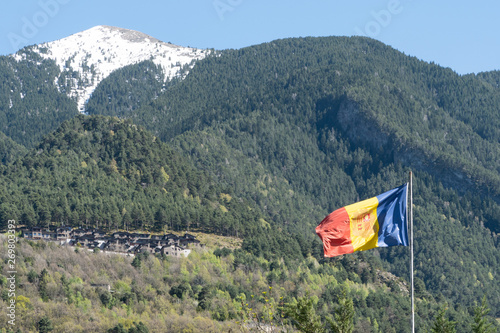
(42, 285)
(481, 324)
(44, 325)
(442, 324)
(304, 316)
(344, 315)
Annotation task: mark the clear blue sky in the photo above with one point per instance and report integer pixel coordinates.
(458, 34)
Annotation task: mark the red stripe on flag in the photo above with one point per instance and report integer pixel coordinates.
(335, 232)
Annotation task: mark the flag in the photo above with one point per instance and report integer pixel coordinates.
(376, 222)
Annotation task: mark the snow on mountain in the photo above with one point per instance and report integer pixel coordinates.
(91, 55)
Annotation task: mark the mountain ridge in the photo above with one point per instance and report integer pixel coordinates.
(90, 56)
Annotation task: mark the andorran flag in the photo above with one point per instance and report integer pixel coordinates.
(376, 222)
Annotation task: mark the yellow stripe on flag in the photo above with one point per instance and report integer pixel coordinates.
(364, 224)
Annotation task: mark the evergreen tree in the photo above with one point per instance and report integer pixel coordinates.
(481, 322)
(303, 315)
(44, 325)
(344, 315)
(442, 324)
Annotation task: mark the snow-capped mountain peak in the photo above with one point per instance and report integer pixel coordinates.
(91, 55)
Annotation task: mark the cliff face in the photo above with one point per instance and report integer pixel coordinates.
(363, 131)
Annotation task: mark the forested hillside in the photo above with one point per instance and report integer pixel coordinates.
(215, 291)
(9, 150)
(415, 110)
(108, 173)
(31, 105)
(128, 88)
(304, 126)
(262, 143)
(493, 78)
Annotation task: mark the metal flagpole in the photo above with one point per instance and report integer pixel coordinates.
(410, 213)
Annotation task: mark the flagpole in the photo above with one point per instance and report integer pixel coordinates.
(410, 213)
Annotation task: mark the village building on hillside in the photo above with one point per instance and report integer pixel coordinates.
(123, 242)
